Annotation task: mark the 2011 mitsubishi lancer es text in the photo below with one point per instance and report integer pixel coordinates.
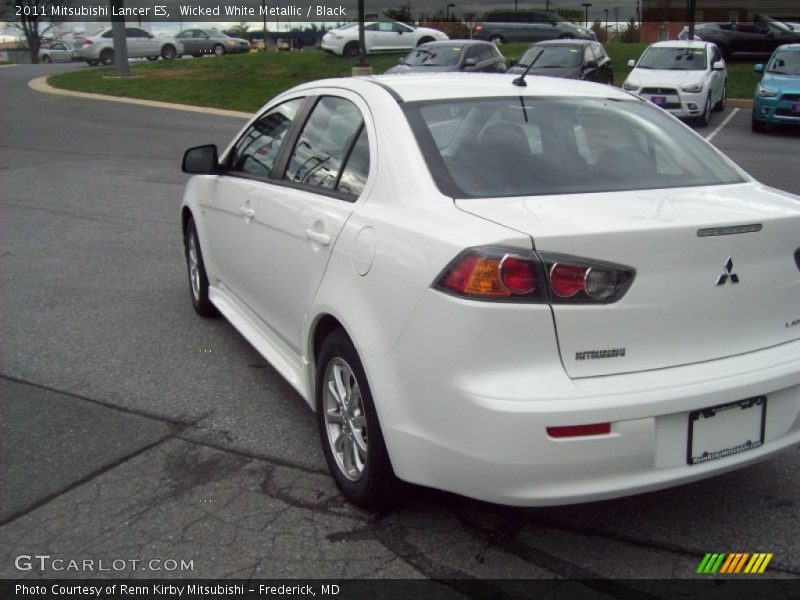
(529, 294)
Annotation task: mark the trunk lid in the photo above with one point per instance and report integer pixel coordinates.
(674, 312)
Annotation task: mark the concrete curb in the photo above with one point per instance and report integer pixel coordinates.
(11, 65)
(40, 85)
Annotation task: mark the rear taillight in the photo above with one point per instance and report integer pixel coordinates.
(86, 41)
(493, 273)
(508, 274)
(478, 29)
(797, 257)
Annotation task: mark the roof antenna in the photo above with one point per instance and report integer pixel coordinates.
(520, 81)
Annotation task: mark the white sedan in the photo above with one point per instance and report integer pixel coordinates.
(379, 36)
(529, 295)
(688, 79)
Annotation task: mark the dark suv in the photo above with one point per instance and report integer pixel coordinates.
(501, 26)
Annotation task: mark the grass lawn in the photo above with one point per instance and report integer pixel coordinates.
(246, 81)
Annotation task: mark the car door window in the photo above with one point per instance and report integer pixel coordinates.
(400, 28)
(472, 52)
(587, 55)
(327, 139)
(201, 35)
(354, 175)
(135, 32)
(257, 149)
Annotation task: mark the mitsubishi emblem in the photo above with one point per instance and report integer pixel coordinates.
(728, 273)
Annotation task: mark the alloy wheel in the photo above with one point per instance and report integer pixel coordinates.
(194, 266)
(345, 421)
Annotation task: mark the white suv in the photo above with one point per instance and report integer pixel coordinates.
(686, 78)
(99, 48)
(380, 36)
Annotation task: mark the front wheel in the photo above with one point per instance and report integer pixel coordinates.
(350, 50)
(349, 429)
(566, 36)
(46, 59)
(705, 118)
(107, 56)
(168, 52)
(198, 280)
(424, 40)
(720, 105)
(218, 50)
(497, 39)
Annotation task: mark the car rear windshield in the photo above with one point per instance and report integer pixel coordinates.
(552, 56)
(526, 146)
(445, 55)
(677, 59)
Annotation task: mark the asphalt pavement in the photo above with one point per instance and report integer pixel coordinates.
(132, 429)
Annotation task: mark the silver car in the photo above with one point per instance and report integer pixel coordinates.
(56, 52)
(99, 47)
(210, 41)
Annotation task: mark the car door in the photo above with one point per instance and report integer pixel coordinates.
(717, 78)
(404, 37)
(190, 45)
(58, 52)
(298, 216)
(227, 212)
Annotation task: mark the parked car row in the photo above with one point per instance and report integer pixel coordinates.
(777, 97)
(763, 36)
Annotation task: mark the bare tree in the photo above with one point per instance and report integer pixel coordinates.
(33, 18)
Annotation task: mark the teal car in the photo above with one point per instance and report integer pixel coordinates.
(777, 97)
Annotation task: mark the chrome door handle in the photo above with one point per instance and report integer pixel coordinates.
(247, 212)
(320, 238)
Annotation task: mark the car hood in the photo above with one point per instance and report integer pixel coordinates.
(781, 83)
(665, 77)
(409, 69)
(563, 72)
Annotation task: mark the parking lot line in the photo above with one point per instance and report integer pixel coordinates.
(711, 135)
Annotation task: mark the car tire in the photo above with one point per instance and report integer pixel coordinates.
(107, 56)
(218, 50)
(92, 63)
(566, 36)
(727, 55)
(497, 39)
(152, 58)
(720, 106)
(196, 269)
(350, 50)
(756, 125)
(425, 40)
(345, 413)
(705, 119)
(169, 52)
(46, 59)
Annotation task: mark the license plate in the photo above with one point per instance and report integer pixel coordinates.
(660, 100)
(795, 107)
(725, 430)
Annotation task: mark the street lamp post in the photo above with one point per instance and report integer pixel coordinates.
(362, 45)
(264, 18)
(605, 10)
(121, 67)
(447, 10)
(692, 10)
(586, 5)
(616, 23)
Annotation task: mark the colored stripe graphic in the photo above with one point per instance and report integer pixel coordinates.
(734, 563)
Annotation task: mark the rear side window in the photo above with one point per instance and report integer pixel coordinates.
(257, 149)
(329, 138)
(496, 147)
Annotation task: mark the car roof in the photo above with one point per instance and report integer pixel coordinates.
(443, 86)
(682, 44)
(565, 42)
(793, 47)
(458, 43)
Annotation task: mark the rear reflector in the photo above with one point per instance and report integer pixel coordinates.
(579, 430)
(797, 257)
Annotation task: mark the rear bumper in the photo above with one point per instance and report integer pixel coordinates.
(472, 418)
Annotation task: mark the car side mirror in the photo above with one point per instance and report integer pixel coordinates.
(718, 66)
(759, 68)
(631, 63)
(201, 160)
(591, 64)
(470, 62)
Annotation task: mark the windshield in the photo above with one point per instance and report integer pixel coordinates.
(785, 63)
(518, 146)
(774, 25)
(679, 59)
(434, 56)
(552, 57)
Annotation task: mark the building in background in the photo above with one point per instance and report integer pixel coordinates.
(664, 19)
